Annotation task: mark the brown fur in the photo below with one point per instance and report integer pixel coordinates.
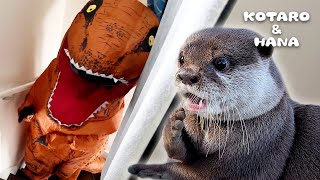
(274, 138)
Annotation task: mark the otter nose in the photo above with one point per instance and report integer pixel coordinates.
(188, 78)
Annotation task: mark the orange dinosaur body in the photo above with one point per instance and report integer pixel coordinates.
(78, 100)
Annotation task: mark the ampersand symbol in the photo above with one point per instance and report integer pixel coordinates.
(276, 29)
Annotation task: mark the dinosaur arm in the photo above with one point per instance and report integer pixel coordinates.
(36, 98)
(26, 109)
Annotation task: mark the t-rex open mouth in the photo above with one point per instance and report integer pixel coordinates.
(107, 80)
(74, 99)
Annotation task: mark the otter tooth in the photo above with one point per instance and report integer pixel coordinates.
(200, 104)
(72, 62)
(115, 80)
(103, 75)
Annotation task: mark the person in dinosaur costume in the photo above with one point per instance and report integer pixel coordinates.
(78, 100)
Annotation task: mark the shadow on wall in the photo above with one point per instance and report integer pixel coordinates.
(20, 32)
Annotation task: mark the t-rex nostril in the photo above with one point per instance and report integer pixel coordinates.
(84, 43)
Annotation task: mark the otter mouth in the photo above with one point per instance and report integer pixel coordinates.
(80, 94)
(194, 102)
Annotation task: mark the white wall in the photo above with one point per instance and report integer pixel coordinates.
(30, 35)
(299, 66)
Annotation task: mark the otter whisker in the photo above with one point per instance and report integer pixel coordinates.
(244, 129)
(228, 130)
(242, 123)
(212, 119)
(224, 113)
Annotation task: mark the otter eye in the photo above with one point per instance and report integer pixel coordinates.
(181, 59)
(91, 8)
(221, 64)
(151, 40)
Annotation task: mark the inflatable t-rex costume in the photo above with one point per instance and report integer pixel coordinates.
(78, 100)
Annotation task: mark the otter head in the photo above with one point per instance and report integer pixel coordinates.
(223, 75)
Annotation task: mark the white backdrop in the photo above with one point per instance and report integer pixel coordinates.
(30, 35)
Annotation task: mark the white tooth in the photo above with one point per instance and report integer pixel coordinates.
(49, 105)
(72, 62)
(96, 74)
(67, 52)
(110, 76)
(123, 81)
(77, 66)
(200, 104)
(115, 80)
(89, 72)
(91, 116)
(99, 109)
(103, 75)
(50, 99)
(104, 105)
(82, 68)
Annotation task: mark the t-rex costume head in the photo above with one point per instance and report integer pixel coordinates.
(78, 100)
(106, 46)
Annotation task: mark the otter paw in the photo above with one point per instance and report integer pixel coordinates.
(180, 114)
(148, 171)
(177, 123)
(176, 129)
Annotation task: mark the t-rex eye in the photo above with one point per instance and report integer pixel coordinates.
(151, 40)
(91, 8)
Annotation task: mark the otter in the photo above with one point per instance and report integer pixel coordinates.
(236, 119)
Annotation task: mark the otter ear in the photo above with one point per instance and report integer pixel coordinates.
(265, 51)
